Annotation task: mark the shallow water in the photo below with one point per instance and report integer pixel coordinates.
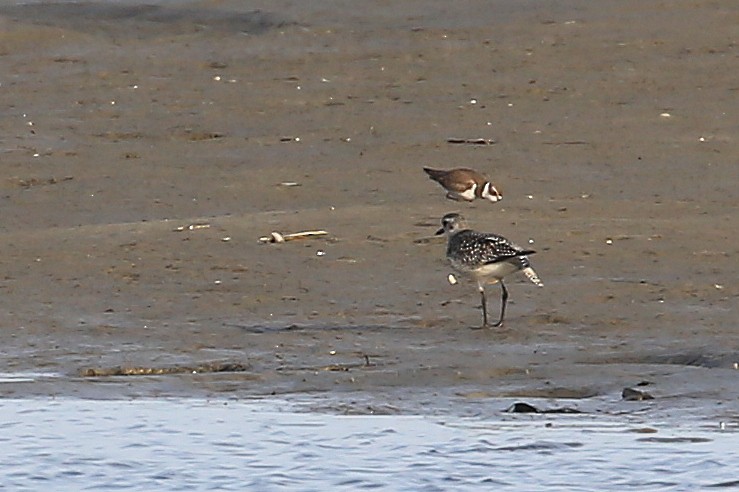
(238, 445)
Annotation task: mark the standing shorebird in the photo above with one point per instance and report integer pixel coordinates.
(464, 184)
(485, 257)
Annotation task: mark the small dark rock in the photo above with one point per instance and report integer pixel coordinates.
(520, 407)
(630, 394)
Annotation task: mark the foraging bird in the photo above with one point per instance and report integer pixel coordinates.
(485, 257)
(464, 184)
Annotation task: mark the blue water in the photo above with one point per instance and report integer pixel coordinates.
(265, 445)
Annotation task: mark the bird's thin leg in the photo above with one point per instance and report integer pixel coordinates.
(484, 307)
(504, 300)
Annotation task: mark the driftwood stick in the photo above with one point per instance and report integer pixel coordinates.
(277, 237)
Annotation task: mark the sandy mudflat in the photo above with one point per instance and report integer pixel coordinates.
(615, 127)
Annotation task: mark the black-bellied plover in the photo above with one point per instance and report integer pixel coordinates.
(464, 184)
(485, 257)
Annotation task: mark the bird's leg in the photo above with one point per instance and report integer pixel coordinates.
(484, 307)
(504, 300)
(452, 196)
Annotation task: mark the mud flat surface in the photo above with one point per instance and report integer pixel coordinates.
(146, 148)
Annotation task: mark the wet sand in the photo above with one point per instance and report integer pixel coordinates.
(615, 148)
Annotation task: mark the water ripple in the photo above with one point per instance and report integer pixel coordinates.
(194, 445)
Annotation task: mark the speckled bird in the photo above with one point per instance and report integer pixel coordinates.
(485, 257)
(464, 184)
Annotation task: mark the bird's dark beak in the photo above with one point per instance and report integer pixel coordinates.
(439, 232)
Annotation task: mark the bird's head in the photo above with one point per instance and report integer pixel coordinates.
(450, 224)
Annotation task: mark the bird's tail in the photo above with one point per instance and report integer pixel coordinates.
(434, 173)
(531, 275)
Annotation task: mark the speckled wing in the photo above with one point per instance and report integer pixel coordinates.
(504, 248)
(475, 249)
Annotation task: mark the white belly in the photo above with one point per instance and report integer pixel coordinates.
(468, 194)
(490, 273)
